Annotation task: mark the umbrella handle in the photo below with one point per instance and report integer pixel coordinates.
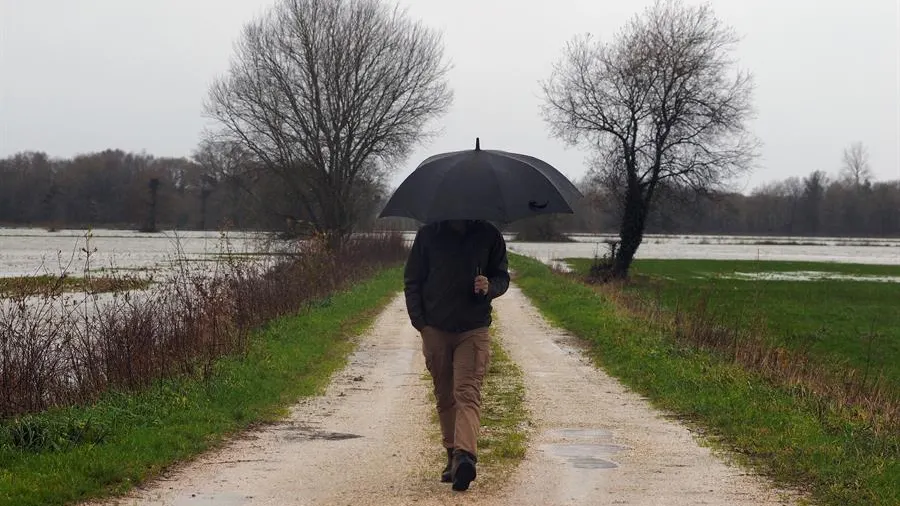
(479, 273)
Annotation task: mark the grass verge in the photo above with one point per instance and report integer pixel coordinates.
(504, 417)
(68, 455)
(792, 437)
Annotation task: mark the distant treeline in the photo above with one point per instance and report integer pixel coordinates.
(816, 205)
(139, 191)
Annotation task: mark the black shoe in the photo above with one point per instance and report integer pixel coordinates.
(463, 471)
(445, 476)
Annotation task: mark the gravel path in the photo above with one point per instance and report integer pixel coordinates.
(369, 438)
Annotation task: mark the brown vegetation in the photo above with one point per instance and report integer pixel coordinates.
(60, 349)
(29, 286)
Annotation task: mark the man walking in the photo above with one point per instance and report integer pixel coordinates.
(454, 270)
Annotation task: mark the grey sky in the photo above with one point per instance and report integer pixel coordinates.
(86, 75)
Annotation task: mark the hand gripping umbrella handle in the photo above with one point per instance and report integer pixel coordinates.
(479, 273)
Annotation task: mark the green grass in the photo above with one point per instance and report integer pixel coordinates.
(794, 439)
(503, 438)
(848, 323)
(84, 452)
(32, 285)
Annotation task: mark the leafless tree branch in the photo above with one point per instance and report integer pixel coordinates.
(330, 95)
(661, 104)
(856, 169)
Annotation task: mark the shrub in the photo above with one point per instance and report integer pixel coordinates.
(60, 349)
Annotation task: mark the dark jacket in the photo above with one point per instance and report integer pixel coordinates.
(440, 275)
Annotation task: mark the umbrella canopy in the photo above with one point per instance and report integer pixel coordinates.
(479, 184)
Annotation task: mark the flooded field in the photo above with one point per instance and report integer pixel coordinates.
(697, 247)
(30, 251)
(809, 276)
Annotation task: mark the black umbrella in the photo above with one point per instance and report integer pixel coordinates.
(482, 184)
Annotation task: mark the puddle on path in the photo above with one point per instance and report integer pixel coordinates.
(584, 455)
(547, 374)
(327, 436)
(300, 432)
(224, 499)
(580, 433)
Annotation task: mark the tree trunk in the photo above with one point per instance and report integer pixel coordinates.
(154, 191)
(204, 198)
(631, 231)
(235, 195)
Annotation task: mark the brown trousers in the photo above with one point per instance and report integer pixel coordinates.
(458, 363)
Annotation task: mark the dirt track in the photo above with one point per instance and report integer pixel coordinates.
(368, 439)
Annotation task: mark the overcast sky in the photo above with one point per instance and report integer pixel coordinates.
(85, 75)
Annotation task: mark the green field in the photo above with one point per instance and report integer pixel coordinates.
(796, 439)
(69, 455)
(839, 322)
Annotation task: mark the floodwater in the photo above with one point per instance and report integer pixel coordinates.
(861, 251)
(810, 276)
(30, 251)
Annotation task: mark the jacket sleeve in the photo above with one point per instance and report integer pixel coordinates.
(413, 277)
(497, 270)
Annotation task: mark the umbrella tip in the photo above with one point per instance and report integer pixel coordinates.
(477, 144)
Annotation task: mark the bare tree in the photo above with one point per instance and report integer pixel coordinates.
(814, 188)
(153, 186)
(226, 165)
(856, 169)
(661, 106)
(327, 94)
(222, 159)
